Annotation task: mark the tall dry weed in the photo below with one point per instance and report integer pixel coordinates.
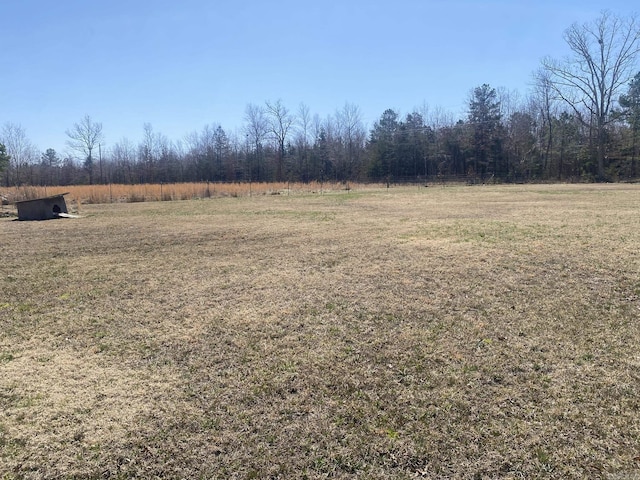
(118, 193)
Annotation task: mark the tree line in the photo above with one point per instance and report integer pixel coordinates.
(580, 122)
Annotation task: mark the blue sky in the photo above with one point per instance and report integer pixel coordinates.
(180, 65)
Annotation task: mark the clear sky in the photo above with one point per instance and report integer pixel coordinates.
(183, 64)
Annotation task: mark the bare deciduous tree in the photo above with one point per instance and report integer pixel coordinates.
(84, 136)
(21, 151)
(353, 133)
(543, 104)
(603, 56)
(256, 124)
(123, 155)
(302, 141)
(149, 151)
(255, 128)
(280, 121)
(304, 124)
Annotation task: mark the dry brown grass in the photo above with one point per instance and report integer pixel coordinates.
(459, 332)
(115, 193)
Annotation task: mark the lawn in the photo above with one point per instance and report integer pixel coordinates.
(441, 332)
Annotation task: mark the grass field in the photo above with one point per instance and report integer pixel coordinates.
(457, 332)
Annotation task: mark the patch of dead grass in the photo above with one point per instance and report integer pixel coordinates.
(460, 332)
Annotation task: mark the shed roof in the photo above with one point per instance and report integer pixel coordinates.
(50, 197)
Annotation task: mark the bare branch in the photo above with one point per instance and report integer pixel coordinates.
(84, 136)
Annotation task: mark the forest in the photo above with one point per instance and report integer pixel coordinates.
(579, 122)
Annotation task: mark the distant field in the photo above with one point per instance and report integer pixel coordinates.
(456, 332)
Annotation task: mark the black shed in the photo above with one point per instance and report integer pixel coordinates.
(46, 208)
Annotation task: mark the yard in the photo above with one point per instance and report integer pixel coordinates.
(410, 332)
